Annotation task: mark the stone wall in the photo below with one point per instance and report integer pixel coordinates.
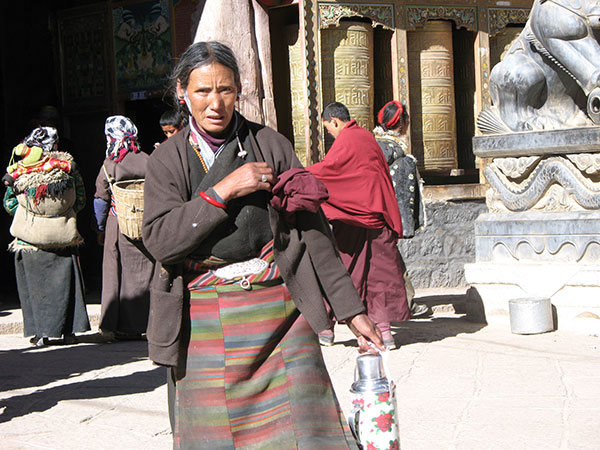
(436, 255)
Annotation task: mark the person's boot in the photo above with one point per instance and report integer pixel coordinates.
(42, 342)
(70, 339)
(326, 338)
(418, 309)
(388, 340)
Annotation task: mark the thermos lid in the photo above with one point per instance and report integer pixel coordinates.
(369, 375)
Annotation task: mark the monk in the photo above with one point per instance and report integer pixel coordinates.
(363, 212)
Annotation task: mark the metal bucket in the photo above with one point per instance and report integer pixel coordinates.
(530, 315)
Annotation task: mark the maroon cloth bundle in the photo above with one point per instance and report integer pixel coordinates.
(298, 190)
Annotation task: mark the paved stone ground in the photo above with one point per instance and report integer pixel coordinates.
(461, 386)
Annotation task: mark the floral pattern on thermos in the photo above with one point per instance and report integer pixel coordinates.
(377, 424)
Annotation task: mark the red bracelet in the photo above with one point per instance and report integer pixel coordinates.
(212, 201)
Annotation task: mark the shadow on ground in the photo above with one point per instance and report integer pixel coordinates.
(431, 327)
(43, 400)
(38, 367)
(9, 300)
(432, 330)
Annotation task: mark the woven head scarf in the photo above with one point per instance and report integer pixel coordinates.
(121, 137)
(44, 137)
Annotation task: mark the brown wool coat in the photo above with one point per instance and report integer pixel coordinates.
(126, 268)
(175, 224)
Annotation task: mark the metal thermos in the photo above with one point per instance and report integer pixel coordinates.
(373, 419)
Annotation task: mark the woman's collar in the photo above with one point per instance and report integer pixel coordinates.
(379, 131)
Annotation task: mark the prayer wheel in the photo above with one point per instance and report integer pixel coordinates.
(347, 70)
(433, 116)
(297, 91)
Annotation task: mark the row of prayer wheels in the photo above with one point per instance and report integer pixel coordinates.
(347, 69)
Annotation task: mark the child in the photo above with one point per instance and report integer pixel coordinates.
(171, 122)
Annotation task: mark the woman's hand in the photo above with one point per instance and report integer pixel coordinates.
(365, 331)
(249, 178)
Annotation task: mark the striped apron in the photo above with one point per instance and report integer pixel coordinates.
(255, 377)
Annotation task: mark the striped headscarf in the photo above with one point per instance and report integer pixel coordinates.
(121, 137)
(44, 137)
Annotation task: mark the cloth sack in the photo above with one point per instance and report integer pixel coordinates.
(49, 223)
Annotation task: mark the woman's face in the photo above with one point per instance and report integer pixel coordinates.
(212, 93)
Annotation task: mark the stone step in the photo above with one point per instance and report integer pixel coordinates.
(443, 301)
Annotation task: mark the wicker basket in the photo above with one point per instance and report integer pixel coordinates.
(129, 206)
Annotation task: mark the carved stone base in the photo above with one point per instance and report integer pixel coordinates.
(538, 254)
(538, 237)
(556, 170)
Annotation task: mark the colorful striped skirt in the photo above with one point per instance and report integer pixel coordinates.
(254, 376)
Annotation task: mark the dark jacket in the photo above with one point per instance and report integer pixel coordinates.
(175, 224)
(406, 182)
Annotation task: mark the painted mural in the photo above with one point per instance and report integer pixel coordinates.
(142, 45)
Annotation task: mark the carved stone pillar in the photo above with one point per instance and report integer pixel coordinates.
(347, 68)
(297, 91)
(433, 117)
(251, 45)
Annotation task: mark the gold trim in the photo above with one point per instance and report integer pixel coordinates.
(462, 16)
(499, 18)
(330, 14)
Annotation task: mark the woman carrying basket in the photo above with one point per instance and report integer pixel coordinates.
(126, 267)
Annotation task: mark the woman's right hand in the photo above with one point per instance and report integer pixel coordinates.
(251, 177)
(365, 331)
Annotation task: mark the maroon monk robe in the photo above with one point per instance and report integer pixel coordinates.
(363, 210)
(359, 182)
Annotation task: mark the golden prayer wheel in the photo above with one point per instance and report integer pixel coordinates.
(347, 70)
(297, 90)
(433, 116)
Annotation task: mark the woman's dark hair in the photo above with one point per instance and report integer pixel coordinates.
(202, 54)
(171, 117)
(392, 116)
(337, 110)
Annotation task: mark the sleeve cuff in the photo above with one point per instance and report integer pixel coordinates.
(216, 196)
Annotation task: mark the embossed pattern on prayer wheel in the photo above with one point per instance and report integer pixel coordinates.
(347, 69)
(296, 90)
(432, 96)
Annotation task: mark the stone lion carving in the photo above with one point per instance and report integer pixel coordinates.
(550, 76)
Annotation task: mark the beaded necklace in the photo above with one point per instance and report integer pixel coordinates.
(197, 151)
